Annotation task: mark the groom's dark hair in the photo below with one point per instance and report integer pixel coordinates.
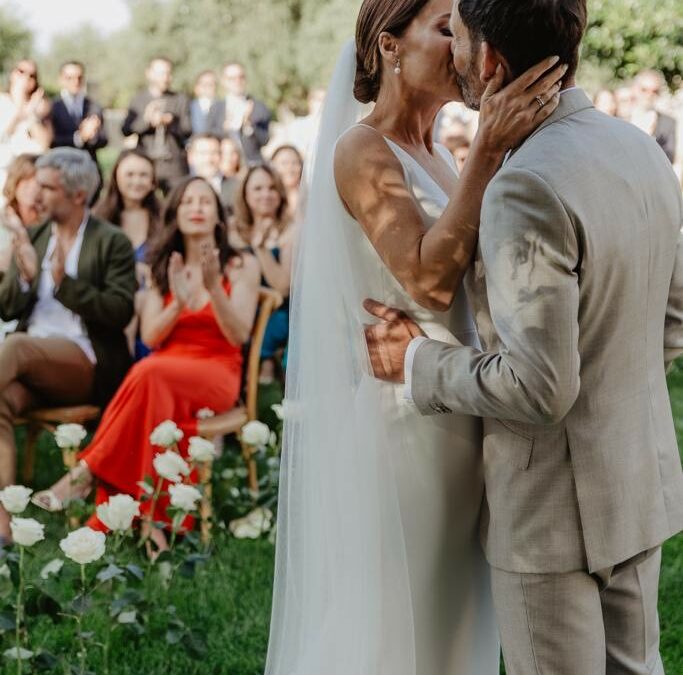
(527, 31)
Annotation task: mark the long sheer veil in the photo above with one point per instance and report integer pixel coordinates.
(341, 602)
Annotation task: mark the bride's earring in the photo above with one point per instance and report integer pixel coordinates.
(397, 67)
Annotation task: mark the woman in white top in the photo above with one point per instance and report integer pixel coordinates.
(24, 111)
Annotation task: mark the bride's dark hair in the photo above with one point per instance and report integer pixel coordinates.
(376, 17)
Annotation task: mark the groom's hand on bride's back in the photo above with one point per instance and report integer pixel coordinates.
(388, 340)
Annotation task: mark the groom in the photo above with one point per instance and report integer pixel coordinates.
(577, 290)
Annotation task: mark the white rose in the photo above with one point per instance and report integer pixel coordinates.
(4, 572)
(241, 529)
(166, 434)
(205, 413)
(260, 518)
(84, 545)
(17, 654)
(201, 450)
(118, 513)
(15, 498)
(26, 531)
(127, 617)
(279, 410)
(53, 567)
(170, 465)
(70, 435)
(255, 433)
(184, 497)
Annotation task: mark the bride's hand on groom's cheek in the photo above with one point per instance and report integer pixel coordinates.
(388, 341)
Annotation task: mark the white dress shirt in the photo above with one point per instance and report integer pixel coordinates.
(49, 317)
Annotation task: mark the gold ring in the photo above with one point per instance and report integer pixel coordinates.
(540, 102)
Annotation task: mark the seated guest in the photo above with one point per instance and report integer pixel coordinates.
(289, 164)
(24, 116)
(71, 285)
(204, 100)
(197, 315)
(459, 147)
(648, 89)
(130, 202)
(204, 159)
(261, 225)
(232, 160)
(161, 119)
(21, 204)
(77, 120)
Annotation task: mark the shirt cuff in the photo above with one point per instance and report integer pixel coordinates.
(78, 141)
(414, 345)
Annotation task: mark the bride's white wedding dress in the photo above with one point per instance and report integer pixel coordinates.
(378, 570)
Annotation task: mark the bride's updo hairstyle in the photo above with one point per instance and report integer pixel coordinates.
(377, 17)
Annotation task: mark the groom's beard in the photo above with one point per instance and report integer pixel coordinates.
(468, 83)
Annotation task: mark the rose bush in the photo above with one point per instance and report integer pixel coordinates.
(15, 498)
(171, 466)
(26, 531)
(84, 545)
(119, 512)
(166, 434)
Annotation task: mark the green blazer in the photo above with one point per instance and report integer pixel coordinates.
(103, 296)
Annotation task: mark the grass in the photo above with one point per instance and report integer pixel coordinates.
(227, 603)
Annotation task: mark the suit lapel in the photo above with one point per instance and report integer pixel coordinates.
(88, 256)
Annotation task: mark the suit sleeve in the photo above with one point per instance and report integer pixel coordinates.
(261, 123)
(13, 300)
(135, 122)
(181, 127)
(530, 254)
(673, 326)
(62, 135)
(112, 305)
(100, 140)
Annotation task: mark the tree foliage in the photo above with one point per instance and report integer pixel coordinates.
(15, 39)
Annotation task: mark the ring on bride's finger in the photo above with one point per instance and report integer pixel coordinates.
(540, 102)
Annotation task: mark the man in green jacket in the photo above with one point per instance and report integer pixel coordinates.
(71, 286)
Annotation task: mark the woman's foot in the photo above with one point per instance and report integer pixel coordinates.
(74, 485)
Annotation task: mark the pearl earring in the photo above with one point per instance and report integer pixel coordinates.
(397, 68)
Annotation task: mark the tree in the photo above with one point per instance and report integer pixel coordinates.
(15, 40)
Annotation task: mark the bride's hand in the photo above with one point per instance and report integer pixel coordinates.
(509, 114)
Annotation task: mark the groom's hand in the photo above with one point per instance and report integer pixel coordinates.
(388, 341)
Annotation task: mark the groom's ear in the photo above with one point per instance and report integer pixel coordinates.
(491, 58)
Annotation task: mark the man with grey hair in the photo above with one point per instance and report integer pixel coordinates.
(71, 286)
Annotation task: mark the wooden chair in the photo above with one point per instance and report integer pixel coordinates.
(231, 422)
(48, 419)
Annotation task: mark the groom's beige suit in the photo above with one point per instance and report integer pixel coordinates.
(577, 291)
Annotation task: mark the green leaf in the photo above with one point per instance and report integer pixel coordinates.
(110, 572)
(38, 602)
(81, 604)
(45, 661)
(7, 621)
(135, 571)
(173, 637)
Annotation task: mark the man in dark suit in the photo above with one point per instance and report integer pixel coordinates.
(71, 286)
(203, 102)
(76, 119)
(204, 158)
(161, 119)
(648, 89)
(239, 115)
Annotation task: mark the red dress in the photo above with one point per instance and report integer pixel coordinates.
(195, 368)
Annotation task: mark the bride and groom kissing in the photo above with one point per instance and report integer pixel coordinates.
(511, 395)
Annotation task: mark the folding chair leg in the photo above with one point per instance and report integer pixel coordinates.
(32, 434)
(206, 509)
(252, 479)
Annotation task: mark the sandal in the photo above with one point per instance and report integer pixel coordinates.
(48, 501)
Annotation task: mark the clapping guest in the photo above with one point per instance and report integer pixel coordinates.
(302, 131)
(240, 116)
(24, 116)
(130, 202)
(261, 225)
(204, 100)
(648, 89)
(289, 164)
(204, 159)
(197, 315)
(626, 100)
(70, 285)
(161, 119)
(232, 160)
(459, 147)
(22, 207)
(77, 120)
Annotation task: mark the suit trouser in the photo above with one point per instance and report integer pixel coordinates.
(37, 371)
(578, 623)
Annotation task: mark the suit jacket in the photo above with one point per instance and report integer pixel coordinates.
(167, 150)
(577, 291)
(102, 295)
(65, 125)
(199, 118)
(260, 123)
(665, 135)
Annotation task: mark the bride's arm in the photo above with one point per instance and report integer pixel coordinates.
(430, 264)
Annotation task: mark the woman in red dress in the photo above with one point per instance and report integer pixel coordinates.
(196, 316)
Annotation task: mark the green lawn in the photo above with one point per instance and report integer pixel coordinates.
(223, 611)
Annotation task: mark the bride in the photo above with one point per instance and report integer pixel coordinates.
(378, 567)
